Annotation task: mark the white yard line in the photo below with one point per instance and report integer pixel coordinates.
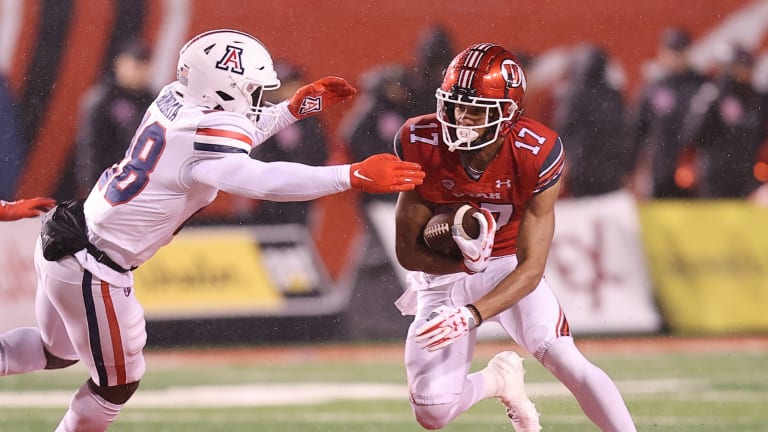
(304, 393)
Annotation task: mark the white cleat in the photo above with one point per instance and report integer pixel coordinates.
(507, 370)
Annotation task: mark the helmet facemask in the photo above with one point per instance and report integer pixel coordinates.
(263, 114)
(498, 113)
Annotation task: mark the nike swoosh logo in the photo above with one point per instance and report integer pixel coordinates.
(357, 174)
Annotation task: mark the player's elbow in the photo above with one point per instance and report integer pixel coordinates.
(532, 275)
(406, 256)
(405, 260)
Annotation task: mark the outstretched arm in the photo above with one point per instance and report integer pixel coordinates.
(289, 181)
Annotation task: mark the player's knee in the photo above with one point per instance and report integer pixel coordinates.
(118, 394)
(563, 358)
(537, 340)
(432, 417)
(53, 362)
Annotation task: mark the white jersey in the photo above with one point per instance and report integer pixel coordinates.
(179, 159)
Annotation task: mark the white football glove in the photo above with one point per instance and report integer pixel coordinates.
(476, 252)
(444, 326)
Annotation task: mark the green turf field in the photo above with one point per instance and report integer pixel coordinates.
(702, 392)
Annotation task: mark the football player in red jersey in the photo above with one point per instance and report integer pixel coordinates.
(479, 149)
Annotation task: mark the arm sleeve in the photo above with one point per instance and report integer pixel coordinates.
(274, 181)
(284, 118)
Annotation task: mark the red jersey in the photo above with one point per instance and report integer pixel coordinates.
(529, 161)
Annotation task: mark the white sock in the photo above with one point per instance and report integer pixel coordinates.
(21, 351)
(88, 412)
(594, 390)
(489, 383)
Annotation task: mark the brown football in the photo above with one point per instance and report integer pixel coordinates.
(437, 232)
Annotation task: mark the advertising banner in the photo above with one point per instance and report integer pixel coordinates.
(235, 271)
(597, 266)
(709, 262)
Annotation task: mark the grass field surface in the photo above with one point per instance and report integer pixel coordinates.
(669, 385)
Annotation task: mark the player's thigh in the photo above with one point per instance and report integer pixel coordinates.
(53, 330)
(105, 324)
(436, 377)
(116, 331)
(536, 320)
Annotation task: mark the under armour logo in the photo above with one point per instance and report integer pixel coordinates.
(311, 104)
(505, 182)
(232, 60)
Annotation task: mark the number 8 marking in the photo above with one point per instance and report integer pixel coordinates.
(132, 174)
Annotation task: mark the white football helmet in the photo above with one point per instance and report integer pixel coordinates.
(228, 69)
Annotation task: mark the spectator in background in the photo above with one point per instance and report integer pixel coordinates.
(433, 51)
(11, 151)
(303, 142)
(727, 126)
(110, 113)
(662, 107)
(589, 116)
(368, 128)
(378, 113)
(392, 93)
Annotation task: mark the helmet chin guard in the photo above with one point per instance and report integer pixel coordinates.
(473, 137)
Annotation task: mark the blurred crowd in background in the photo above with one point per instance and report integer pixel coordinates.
(685, 134)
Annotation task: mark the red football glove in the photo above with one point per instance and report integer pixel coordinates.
(25, 208)
(444, 326)
(476, 252)
(385, 173)
(319, 96)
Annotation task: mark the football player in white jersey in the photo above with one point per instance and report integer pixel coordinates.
(194, 141)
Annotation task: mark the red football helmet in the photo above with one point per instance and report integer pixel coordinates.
(483, 76)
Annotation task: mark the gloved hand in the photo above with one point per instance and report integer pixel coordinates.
(444, 326)
(24, 208)
(385, 173)
(476, 252)
(319, 96)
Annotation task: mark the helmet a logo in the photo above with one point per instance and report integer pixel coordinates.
(513, 74)
(232, 60)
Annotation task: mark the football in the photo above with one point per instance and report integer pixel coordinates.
(437, 232)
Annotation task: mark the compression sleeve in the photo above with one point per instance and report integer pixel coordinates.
(284, 118)
(273, 181)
